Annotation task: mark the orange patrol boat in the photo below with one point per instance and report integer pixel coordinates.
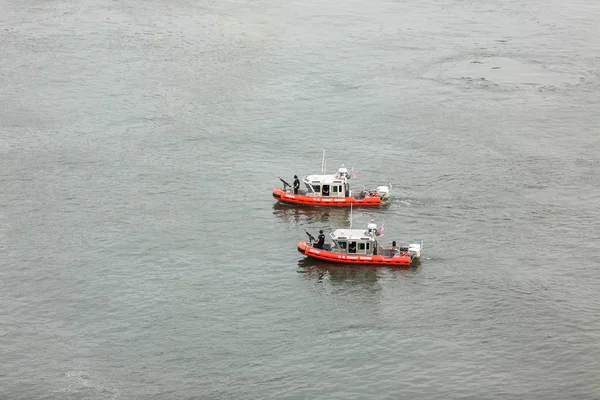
(332, 190)
(359, 246)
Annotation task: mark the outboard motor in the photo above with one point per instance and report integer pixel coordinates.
(414, 250)
(383, 192)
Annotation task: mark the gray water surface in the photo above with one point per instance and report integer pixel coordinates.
(143, 257)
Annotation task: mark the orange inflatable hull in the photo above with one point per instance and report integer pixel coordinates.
(291, 198)
(402, 260)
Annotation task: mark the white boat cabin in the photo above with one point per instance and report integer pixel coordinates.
(355, 241)
(329, 185)
(364, 242)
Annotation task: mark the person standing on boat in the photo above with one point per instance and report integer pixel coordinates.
(320, 240)
(395, 250)
(296, 184)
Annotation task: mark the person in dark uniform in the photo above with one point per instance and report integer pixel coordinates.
(352, 248)
(296, 184)
(320, 240)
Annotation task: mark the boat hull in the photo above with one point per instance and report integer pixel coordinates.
(286, 197)
(402, 260)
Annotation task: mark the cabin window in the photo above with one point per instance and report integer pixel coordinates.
(352, 248)
(342, 245)
(334, 189)
(317, 188)
(325, 190)
(361, 248)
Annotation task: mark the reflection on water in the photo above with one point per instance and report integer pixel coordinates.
(348, 273)
(343, 279)
(335, 217)
(331, 216)
(359, 285)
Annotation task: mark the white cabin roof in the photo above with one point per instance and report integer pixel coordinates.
(352, 234)
(324, 179)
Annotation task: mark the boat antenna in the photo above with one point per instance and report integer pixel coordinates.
(350, 215)
(323, 163)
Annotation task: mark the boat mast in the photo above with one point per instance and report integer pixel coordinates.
(350, 215)
(323, 163)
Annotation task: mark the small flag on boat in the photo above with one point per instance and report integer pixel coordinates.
(353, 173)
(381, 231)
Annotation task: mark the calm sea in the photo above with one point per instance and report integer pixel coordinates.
(142, 255)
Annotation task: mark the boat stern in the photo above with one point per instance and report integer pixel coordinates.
(384, 193)
(414, 250)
